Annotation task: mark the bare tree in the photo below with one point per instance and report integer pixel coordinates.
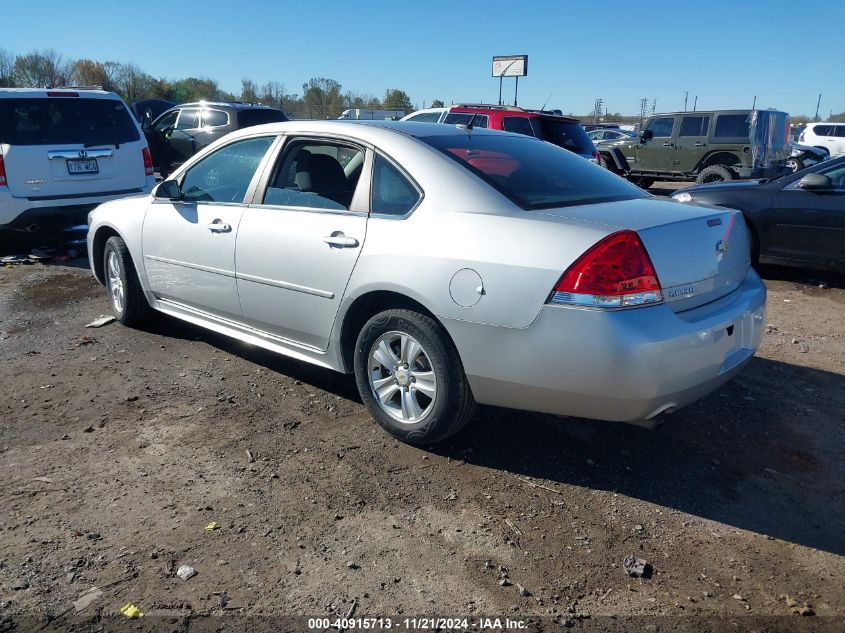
(7, 69)
(41, 70)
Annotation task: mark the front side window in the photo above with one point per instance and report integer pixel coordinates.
(189, 119)
(661, 128)
(532, 173)
(317, 175)
(393, 193)
(167, 121)
(517, 124)
(224, 176)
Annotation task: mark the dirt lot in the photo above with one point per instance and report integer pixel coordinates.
(118, 447)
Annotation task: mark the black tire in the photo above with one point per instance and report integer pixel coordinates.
(134, 309)
(642, 183)
(714, 173)
(453, 405)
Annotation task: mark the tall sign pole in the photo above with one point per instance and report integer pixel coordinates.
(515, 66)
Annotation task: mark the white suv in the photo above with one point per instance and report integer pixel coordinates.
(63, 152)
(830, 136)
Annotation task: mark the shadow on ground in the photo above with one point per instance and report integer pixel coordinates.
(762, 454)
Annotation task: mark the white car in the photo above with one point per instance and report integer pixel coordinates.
(427, 115)
(63, 152)
(829, 136)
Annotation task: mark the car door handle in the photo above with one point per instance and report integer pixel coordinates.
(667, 144)
(701, 144)
(339, 240)
(218, 226)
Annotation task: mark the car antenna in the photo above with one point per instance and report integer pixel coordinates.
(471, 121)
(547, 101)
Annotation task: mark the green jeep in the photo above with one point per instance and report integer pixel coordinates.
(703, 146)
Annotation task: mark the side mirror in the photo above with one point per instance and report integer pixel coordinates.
(646, 135)
(815, 182)
(168, 190)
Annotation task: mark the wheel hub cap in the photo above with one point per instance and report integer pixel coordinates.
(401, 377)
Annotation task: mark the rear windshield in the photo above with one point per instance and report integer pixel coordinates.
(568, 135)
(534, 174)
(248, 118)
(66, 121)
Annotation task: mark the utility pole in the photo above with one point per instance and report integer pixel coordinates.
(597, 107)
(686, 96)
(754, 104)
(818, 103)
(653, 105)
(695, 103)
(643, 108)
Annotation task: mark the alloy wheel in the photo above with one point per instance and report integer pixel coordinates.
(401, 377)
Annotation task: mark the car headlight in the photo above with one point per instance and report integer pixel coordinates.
(682, 197)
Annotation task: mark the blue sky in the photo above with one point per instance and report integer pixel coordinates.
(724, 51)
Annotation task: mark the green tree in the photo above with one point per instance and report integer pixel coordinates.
(437, 103)
(249, 91)
(322, 98)
(395, 99)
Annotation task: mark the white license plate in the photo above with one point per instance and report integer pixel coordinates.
(83, 166)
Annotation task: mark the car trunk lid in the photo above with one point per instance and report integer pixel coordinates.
(700, 254)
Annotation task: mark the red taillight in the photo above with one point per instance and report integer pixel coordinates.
(3, 182)
(54, 93)
(616, 272)
(148, 161)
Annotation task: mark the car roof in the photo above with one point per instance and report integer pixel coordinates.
(236, 105)
(511, 111)
(43, 93)
(369, 131)
(694, 112)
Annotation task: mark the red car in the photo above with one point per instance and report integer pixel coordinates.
(550, 126)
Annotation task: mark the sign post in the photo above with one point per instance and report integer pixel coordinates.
(510, 66)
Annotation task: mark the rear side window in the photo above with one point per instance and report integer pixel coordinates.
(426, 117)
(823, 130)
(695, 126)
(517, 124)
(839, 130)
(224, 176)
(259, 116)
(393, 193)
(532, 173)
(463, 118)
(66, 121)
(566, 134)
(214, 118)
(732, 126)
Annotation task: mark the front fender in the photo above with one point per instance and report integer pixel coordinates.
(123, 217)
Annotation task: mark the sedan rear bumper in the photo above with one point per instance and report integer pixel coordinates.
(624, 365)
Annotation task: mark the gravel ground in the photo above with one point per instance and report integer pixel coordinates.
(118, 447)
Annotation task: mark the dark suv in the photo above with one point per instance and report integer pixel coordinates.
(550, 126)
(703, 146)
(182, 131)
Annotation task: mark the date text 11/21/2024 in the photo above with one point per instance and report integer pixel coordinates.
(416, 624)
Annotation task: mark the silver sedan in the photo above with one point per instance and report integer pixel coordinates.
(444, 266)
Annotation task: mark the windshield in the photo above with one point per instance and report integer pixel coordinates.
(534, 174)
(66, 121)
(568, 135)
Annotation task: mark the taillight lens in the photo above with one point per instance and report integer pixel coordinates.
(148, 161)
(615, 273)
(3, 182)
